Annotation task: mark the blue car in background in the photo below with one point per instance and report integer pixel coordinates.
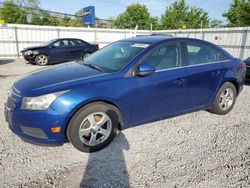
(128, 83)
(58, 51)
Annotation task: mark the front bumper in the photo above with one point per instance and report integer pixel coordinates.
(35, 126)
(29, 58)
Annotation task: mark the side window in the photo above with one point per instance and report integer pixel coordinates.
(165, 56)
(202, 54)
(80, 43)
(61, 43)
(72, 43)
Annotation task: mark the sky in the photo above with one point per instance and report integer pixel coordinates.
(112, 8)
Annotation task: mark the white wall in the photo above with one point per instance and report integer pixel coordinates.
(13, 38)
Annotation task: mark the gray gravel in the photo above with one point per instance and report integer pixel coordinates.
(194, 150)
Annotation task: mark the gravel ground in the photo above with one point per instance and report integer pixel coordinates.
(194, 150)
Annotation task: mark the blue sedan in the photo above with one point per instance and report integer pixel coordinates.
(58, 51)
(128, 83)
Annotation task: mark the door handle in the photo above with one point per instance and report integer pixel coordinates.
(182, 81)
(216, 73)
(179, 81)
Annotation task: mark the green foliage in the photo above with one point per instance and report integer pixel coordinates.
(179, 13)
(238, 14)
(13, 14)
(216, 23)
(155, 23)
(135, 14)
(27, 3)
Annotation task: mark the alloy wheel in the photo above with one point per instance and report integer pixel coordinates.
(42, 60)
(226, 99)
(95, 129)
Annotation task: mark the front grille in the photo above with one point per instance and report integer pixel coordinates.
(15, 91)
(11, 103)
(14, 94)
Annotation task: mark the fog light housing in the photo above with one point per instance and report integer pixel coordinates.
(56, 129)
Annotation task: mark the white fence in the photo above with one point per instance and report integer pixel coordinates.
(235, 40)
(13, 38)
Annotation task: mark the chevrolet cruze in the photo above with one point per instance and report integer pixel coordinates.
(128, 83)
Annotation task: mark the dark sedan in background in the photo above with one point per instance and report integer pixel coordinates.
(247, 61)
(58, 51)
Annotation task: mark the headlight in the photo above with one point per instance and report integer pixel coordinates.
(29, 52)
(41, 102)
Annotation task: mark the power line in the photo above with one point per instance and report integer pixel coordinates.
(53, 12)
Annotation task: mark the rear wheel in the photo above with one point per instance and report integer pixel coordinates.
(225, 99)
(93, 127)
(85, 55)
(42, 60)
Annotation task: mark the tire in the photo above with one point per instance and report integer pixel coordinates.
(42, 60)
(225, 99)
(90, 139)
(87, 54)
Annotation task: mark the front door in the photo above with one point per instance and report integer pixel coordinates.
(161, 94)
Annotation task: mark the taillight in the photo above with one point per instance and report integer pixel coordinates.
(244, 66)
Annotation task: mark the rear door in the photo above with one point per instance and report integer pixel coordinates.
(205, 70)
(59, 51)
(77, 48)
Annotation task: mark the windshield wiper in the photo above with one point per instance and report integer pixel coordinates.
(97, 67)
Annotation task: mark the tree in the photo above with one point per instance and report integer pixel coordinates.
(216, 23)
(27, 3)
(155, 23)
(135, 14)
(77, 22)
(238, 14)
(11, 13)
(179, 13)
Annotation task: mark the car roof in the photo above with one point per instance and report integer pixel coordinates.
(154, 40)
(157, 39)
(68, 39)
(148, 39)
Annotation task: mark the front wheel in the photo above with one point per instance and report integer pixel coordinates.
(42, 60)
(93, 127)
(225, 99)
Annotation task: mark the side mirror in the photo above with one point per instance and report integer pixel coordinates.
(145, 69)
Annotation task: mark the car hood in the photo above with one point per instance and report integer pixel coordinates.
(33, 48)
(59, 77)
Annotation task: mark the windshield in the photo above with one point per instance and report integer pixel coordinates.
(49, 42)
(115, 56)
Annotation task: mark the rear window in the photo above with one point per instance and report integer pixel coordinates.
(202, 54)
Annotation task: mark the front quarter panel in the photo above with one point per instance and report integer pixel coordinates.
(115, 91)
